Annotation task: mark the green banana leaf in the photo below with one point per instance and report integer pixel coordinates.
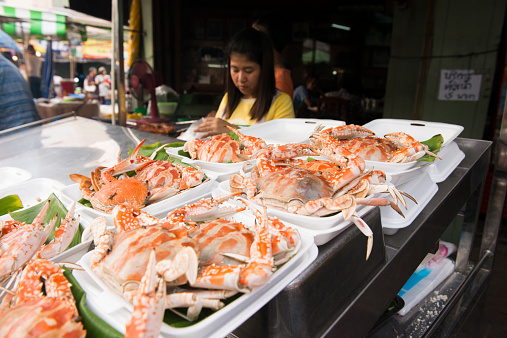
(93, 324)
(434, 145)
(10, 203)
(55, 207)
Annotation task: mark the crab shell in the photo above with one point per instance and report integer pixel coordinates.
(370, 148)
(125, 191)
(130, 253)
(293, 186)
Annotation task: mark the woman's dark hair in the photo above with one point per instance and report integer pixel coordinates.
(30, 49)
(257, 48)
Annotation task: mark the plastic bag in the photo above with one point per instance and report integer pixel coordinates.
(190, 133)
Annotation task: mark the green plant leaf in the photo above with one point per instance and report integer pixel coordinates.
(434, 145)
(10, 203)
(184, 153)
(175, 145)
(55, 207)
(93, 324)
(233, 135)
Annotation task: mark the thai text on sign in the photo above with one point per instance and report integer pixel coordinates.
(459, 85)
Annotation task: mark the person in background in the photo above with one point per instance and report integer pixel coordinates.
(90, 85)
(16, 101)
(279, 31)
(251, 96)
(306, 96)
(104, 82)
(33, 71)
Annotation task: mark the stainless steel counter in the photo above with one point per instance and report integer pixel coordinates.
(70, 145)
(79, 145)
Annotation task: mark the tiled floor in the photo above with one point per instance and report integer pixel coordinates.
(489, 317)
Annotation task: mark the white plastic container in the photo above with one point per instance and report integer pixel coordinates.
(72, 193)
(116, 311)
(451, 157)
(420, 130)
(10, 176)
(281, 131)
(422, 188)
(34, 191)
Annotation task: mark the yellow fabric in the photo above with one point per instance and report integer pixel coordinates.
(281, 108)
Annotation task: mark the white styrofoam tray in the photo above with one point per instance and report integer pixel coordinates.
(420, 130)
(224, 168)
(72, 193)
(116, 311)
(422, 188)
(335, 222)
(321, 237)
(451, 157)
(10, 176)
(34, 191)
(281, 131)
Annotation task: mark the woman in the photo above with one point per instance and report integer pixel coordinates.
(251, 96)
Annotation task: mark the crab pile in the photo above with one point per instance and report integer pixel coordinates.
(153, 181)
(316, 188)
(395, 147)
(28, 312)
(20, 242)
(192, 258)
(223, 148)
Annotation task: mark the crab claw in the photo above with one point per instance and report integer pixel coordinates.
(149, 304)
(365, 229)
(378, 201)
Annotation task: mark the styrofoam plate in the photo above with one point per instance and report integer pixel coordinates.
(213, 166)
(309, 222)
(116, 311)
(72, 193)
(34, 191)
(281, 131)
(388, 167)
(420, 130)
(321, 237)
(10, 176)
(422, 188)
(451, 157)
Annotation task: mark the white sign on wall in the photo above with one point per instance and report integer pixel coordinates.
(459, 85)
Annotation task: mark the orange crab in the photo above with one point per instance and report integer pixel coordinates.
(223, 149)
(30, 313)
(395, 147)
(154, 181)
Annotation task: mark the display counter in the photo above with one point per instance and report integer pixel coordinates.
(340, 294)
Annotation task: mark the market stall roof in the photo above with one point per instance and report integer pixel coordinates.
(32, 22)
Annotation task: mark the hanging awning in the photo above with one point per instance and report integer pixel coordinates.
(31, 22)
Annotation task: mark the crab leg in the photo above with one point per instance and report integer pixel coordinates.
(378, 201)
(18, 247)
(202, 210)
(101, 238)
(63, 235)
(130, 163)
(365, 229)
(348, 131)
(184, 263)
(127, 217)
(149, 304)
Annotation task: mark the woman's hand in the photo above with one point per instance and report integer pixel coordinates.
(213, 126)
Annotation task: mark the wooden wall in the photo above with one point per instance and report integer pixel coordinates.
(429, 36)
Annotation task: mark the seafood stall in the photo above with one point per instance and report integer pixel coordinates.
(328, 287)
